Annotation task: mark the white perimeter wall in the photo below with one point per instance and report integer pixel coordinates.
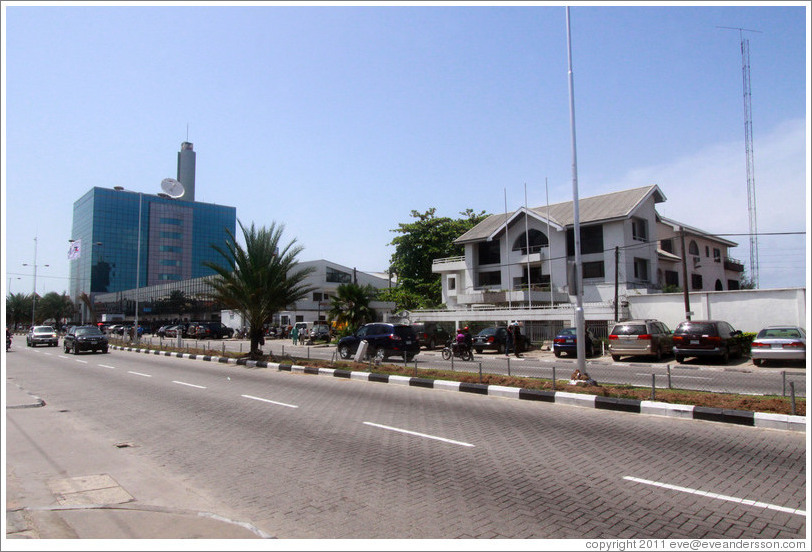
(745, 310)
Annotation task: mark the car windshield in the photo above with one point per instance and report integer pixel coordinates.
(629, 329)
(790, 333)
(488, 331)
(567, 331)
(43, 329)
(88, 331)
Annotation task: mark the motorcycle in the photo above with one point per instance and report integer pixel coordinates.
(458, 350)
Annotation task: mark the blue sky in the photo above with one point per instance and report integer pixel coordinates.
(338, 121)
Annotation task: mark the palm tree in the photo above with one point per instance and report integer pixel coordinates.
(18, 308)
(53, 305)
(350, 305)
(260, 279)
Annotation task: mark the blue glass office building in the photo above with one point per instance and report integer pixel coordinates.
(176, 238)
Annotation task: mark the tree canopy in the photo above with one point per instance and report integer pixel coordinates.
(260, 279)
(419, 242)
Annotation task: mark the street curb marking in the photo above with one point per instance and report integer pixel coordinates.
(785, 422)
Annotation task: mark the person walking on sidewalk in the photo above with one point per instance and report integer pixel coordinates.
(294, 335)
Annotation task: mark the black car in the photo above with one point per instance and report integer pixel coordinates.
(384, 340)
(84, 338)
(706, 338)
(494, 338)
(431, 334)
(216, 330)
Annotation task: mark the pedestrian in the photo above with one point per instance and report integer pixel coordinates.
(294, 334)
(517, 340)
(509, 340)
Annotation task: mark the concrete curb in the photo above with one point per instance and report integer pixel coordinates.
(784, 422)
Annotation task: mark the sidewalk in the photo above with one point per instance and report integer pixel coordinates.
(64, 482)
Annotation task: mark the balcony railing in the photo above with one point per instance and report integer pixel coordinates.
(734, 264)
(448, 260)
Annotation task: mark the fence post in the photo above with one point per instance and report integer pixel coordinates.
(508, 359)
(553, 377)
(792, 396)
(452, 361)
(653, 380)
(783, 383)
(308, 352)
(668, 367)
(480, 372)
(224, 348)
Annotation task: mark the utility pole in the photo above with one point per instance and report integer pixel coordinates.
(685, 274)
(617, 276)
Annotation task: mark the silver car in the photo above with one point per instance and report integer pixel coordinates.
(42, 335)
(640, 337)
(778, 343)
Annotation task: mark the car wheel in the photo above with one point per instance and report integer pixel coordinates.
(616, 357)
(557, 354)
(344, 352)
(500, 349)
(758, 362)
(432, 344)
(75, 350)
(679, 358)
(659, 355)
(725, 358)
(104, 351)
(479, 351)
(67, 349)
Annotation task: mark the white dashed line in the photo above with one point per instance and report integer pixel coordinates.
(743, 501)
(82, 361)
(139, 374)
(105, 366)
(269, 401)
(420, 434)
(188, 384)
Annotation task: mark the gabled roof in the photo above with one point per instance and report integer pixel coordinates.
(601, 208)
(690, 230)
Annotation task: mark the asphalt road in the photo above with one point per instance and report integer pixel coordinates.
(303, 456)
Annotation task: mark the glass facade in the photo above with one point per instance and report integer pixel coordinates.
(176, 237)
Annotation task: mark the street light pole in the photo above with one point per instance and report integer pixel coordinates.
(138, 268)
(34, 297)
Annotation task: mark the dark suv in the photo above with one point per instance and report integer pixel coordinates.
(384, 340)
(706, 338)
(84, 338)
(430, 334)
(211, 330)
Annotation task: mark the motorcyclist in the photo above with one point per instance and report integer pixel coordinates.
(8, 339)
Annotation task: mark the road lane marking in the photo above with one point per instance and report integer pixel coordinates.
(674, 376)
(453, 442)
(188, 384)
(82, 361)
(105, 366)
(746, 502)
(139, 374)
(269, 401)
(63, 356)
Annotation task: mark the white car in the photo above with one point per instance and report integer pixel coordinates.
(42, 335)
(778, 343)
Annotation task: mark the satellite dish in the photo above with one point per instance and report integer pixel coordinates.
(172, 187)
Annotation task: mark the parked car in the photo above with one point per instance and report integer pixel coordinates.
(431, 334)
(566, 341)
(706, 338)
(42, 335)
(640, 337)
(213, 330)
(84, 338)
(778, 343)
(384, 340)
(320, 332)
(493, 338)
(171, 331)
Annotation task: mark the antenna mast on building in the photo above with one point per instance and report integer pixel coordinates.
(748, 150)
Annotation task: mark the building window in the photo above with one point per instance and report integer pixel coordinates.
(536, 240)
(696, 281)
(170, 249)
(488, 252)
(591, 240)
(672, 278)
(641, 269)
(337, 276)
(172, 235)
(693, 248)
(169, 262)
(707, 251)
(667, 245)
(639, 230)
(490, 278)
(593, 269)
(452, 283)
(174, 221)
(717, 255)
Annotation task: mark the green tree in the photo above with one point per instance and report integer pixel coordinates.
(403, 299)
(260, 279)
(350, 305)
(18, 308)
(420, 242)
(55, 306)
